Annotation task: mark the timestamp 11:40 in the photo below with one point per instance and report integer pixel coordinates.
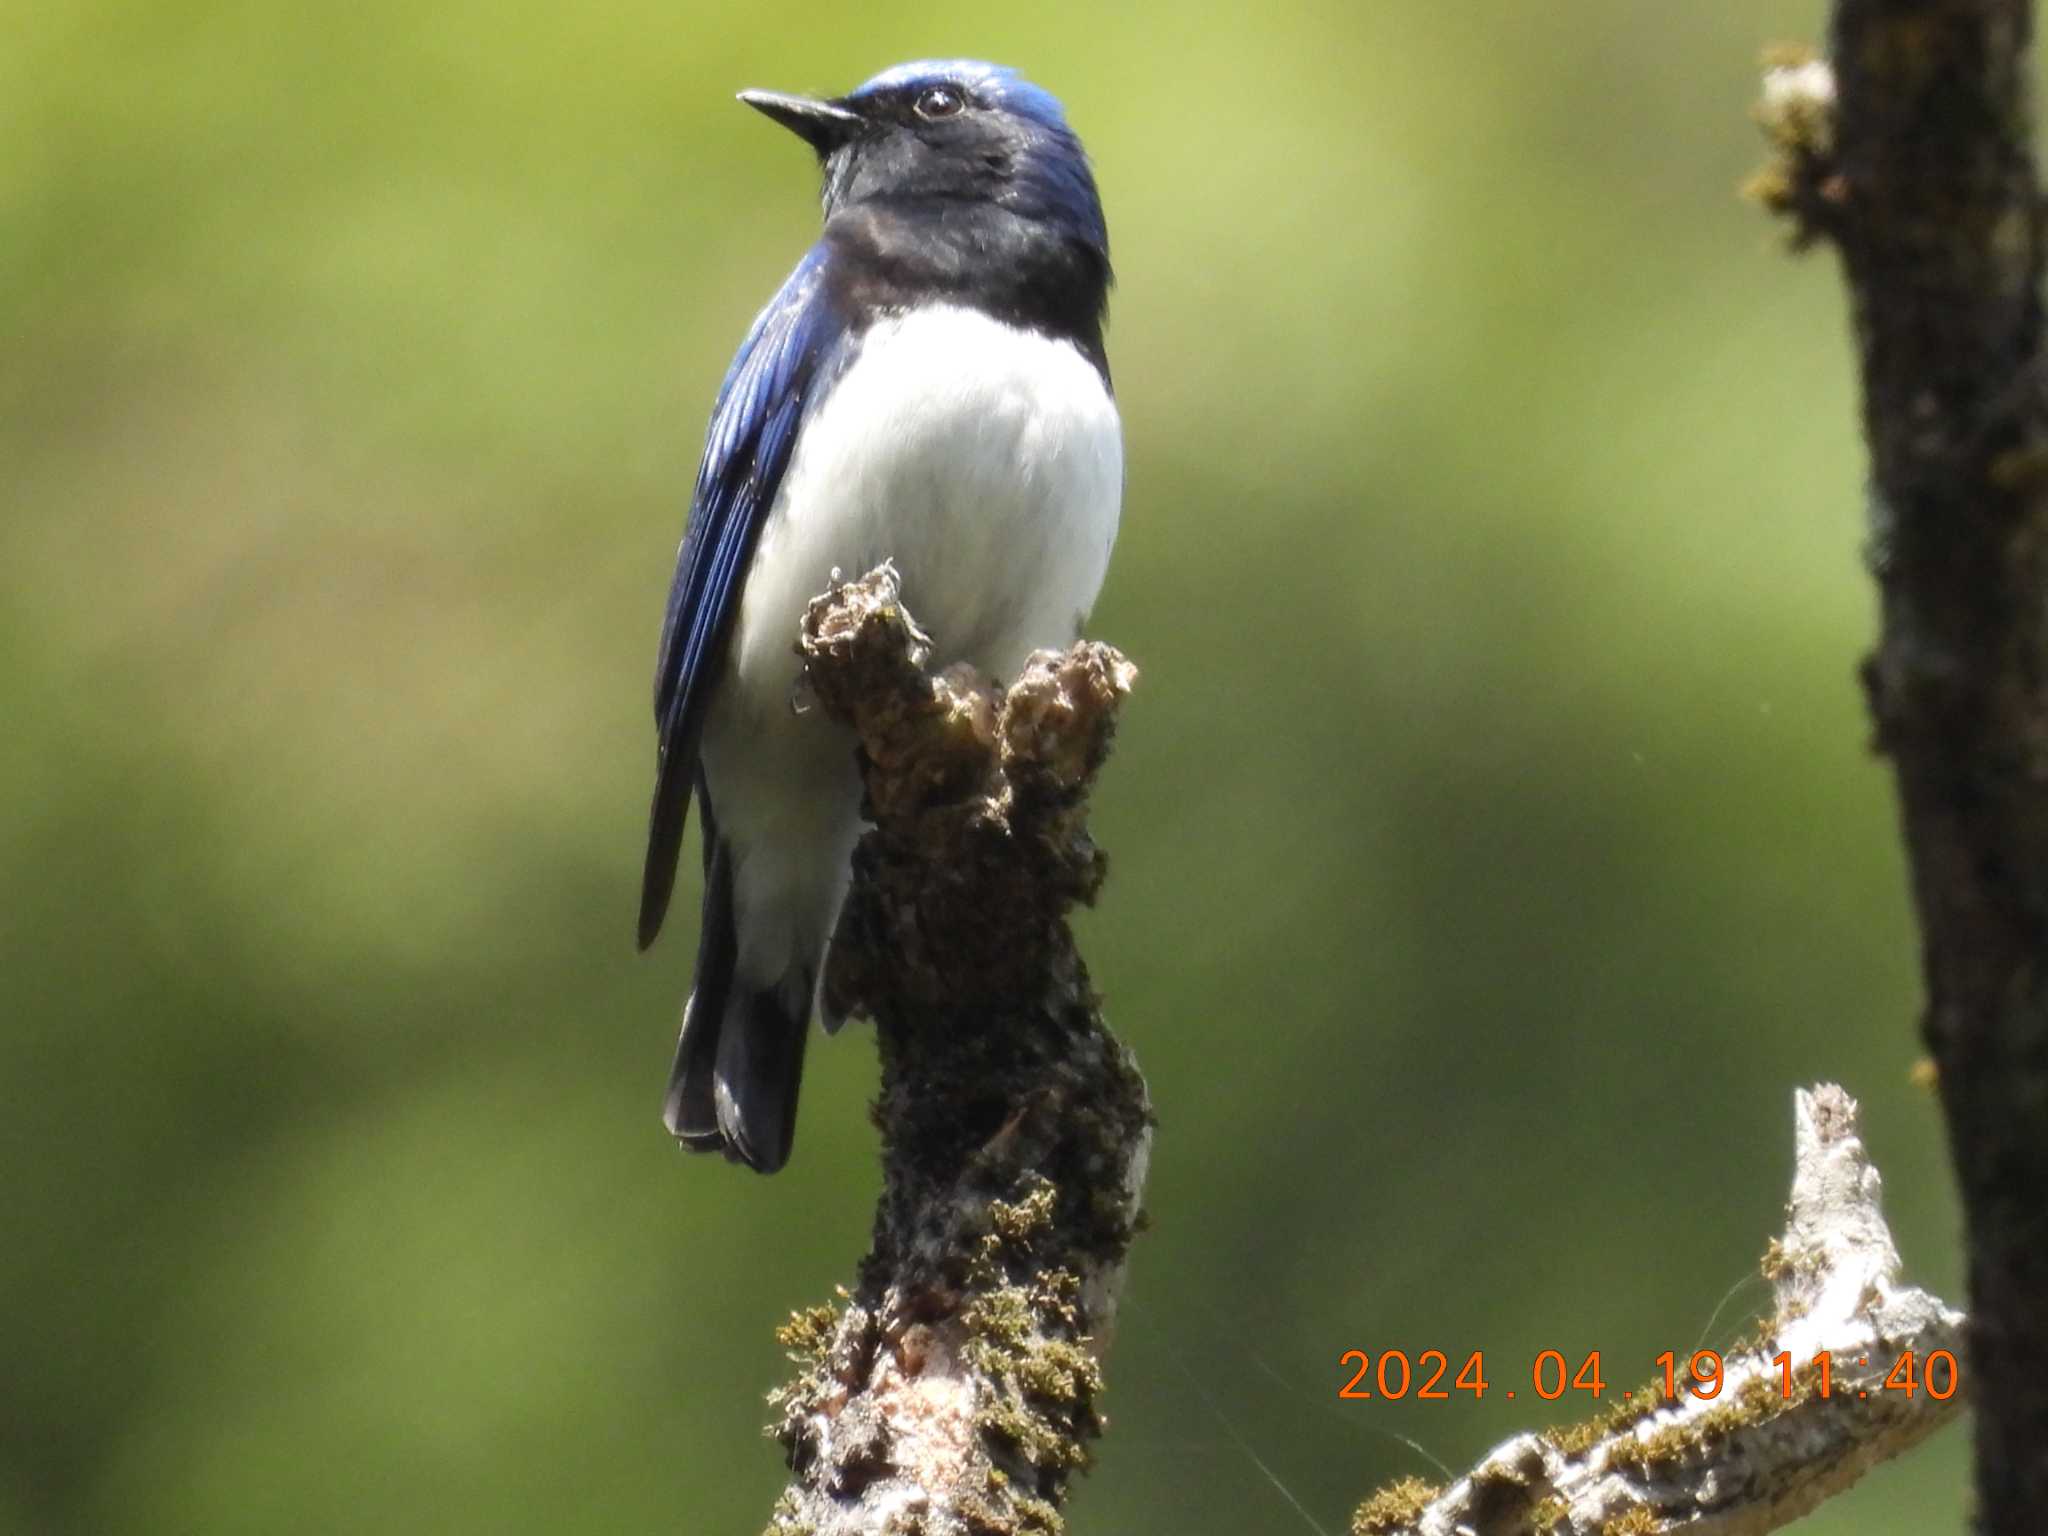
(1392, 1375)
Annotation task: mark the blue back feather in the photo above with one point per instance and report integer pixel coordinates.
(746, 453)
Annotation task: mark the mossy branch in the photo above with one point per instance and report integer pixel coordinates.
(1910, 149)
(953, 1390)
(1768, 1445)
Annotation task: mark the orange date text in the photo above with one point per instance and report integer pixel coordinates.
(1434, 1376)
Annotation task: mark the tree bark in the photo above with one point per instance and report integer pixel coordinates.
(954, 1390)
(1914, 156)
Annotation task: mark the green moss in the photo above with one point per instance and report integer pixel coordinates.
(1038, 1517)
(1777, 1263)
(786, 1518)
(1648, 1398)
(1021, 1337)
(1548, 1515)
(1758, 1401)
(1005, 1192)
(810, 1338)
(807, 1336)
(981, 1517)
(1800, 181)
(1040, 1409)
(1665, 1448)
(1504, 1497)
(1031, 1517)
(1576, 1439)
(1018, 1223)
(1395, 1507)
(1637, 1522)
(1780, 1264)
(1060, 1372)
(999, 1321)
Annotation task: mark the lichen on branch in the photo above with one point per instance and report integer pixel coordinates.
(1774, 1438)
(954, 1388)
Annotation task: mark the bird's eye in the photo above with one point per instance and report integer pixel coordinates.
(939, 101)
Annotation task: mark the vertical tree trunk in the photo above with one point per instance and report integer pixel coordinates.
(1921, 171)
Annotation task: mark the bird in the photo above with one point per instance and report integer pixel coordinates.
(929, 387)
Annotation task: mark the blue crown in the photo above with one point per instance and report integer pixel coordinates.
(1005, 87)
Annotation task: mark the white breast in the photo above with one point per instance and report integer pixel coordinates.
(985, 460)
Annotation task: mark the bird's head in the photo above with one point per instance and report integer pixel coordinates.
(941, 130)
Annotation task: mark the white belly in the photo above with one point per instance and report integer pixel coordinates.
(987, 462)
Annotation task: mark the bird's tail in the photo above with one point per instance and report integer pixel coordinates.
(740, 1059)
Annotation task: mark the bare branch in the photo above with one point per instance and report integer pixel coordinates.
(954, 1389)
(1912, 152)
(1769, 1445)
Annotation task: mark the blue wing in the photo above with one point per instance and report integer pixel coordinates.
(753, 431)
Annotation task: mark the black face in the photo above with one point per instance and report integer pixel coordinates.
(929, 141)
(951, 139)
(964, 186)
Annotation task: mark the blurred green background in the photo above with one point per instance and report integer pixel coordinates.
(1494, 840)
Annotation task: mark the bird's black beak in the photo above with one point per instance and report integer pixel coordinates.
(821, 124)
